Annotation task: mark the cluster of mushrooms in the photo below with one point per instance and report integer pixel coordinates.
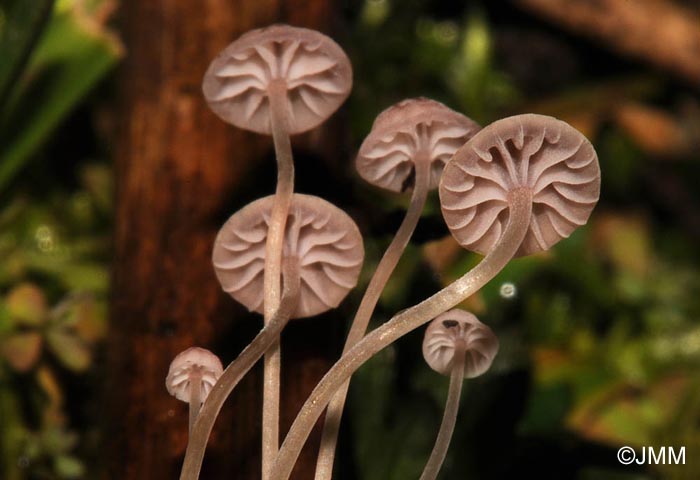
(513, 188)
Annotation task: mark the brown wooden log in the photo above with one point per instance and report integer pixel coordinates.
(660, 32)
(179, 169)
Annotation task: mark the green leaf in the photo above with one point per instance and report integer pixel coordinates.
(53, 411)
(57, 440)
(21, 350)
(26, 305)
(75, 276)
(21, 26)
(75, 52)
(68, 467)
(72, 352)
(91, 321)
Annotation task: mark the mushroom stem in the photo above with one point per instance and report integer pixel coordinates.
(329, 440)
(195, 397)
(273, 268)
(202, 427)
(403, 323)
(447, 427)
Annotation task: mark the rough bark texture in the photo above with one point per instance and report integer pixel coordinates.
(180, 173)
(660, 32)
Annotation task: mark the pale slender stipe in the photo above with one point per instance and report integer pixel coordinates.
(401, 324)
(407, 147)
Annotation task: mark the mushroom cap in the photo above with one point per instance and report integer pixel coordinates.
(442, 334)
(388, 155)
(324, 239)
(195, 362)
(548, 156)
(315, 70)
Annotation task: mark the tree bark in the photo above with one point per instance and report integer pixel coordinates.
(180, 173)
(660, 32)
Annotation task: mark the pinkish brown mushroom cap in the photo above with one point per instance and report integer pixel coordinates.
(416, 129)
(453, 326)
(193, 364)
(545, 155)
(323, 239)
(315, 70)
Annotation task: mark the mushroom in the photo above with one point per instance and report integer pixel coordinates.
(278, 76)
(532, 156)
(456, 344)
(322, 242)
(547, 175)
(407, 149)
(322, 258)
(192, 375)
(279, 80)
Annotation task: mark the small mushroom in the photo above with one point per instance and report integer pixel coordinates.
(456, 344)
(192, 375)
(279, 80)
(407, 148)
(546, 174)
(322, 258)
(412, 141)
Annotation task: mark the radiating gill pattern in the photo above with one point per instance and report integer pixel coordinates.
(182, 377)
(193, 365)
(322, 238)
(445, 331)
(389, 162)
(548, 156)
(408, 132)
(315, 70)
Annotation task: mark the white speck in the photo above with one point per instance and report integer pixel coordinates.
(44, 239)
(508, 290)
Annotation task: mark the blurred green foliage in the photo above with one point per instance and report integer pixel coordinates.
(54, 271)
(54, 241)
(73, 53)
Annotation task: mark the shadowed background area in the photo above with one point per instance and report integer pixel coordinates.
(115, 177)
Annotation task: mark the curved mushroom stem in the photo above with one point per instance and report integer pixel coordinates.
(202, 427)
(447, 427)
(195, 397)
(403, 323)
(273, 268)
(329, 440)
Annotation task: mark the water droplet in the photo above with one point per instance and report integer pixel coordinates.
(508, 290)
(44, 238)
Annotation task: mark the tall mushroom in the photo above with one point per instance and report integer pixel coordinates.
(322, 258)
(545, 176)
(456, 344)
(191, 376)
(407, 149)
(279, 80)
